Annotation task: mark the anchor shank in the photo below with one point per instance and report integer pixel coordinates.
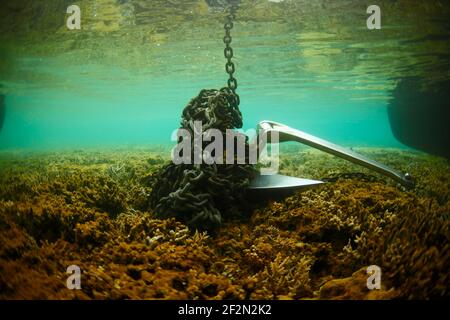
(289, 134)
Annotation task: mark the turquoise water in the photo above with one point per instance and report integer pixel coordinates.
(54, 119)
(123, 87)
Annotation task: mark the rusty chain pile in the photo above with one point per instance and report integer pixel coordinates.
(202, 194)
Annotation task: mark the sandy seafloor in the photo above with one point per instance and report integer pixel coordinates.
(89, 208)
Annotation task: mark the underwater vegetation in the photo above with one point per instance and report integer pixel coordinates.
(90, 208)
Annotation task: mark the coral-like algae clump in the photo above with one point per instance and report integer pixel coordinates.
(90, 209)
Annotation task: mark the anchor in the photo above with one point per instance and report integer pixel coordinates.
(201, 194)
(285, 185)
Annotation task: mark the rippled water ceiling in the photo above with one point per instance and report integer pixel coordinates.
(285, 40)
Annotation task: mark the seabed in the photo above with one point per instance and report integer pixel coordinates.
(90, 208)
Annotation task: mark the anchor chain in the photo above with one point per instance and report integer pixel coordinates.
(202, 195)
(228, 51)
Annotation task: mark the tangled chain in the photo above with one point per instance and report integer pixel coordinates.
(201, 194)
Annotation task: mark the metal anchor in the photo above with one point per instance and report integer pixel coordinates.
(285, 184)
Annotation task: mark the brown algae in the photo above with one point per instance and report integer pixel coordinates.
(90, 208)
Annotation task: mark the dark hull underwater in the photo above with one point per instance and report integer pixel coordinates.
(420, 117)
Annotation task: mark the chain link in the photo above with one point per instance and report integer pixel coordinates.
(202, 195)
(228, 51)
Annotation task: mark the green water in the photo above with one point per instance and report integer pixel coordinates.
(126, 76)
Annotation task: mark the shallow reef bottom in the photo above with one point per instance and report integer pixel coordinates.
(90, 208)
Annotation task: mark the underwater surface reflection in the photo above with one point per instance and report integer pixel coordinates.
(125, 76)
